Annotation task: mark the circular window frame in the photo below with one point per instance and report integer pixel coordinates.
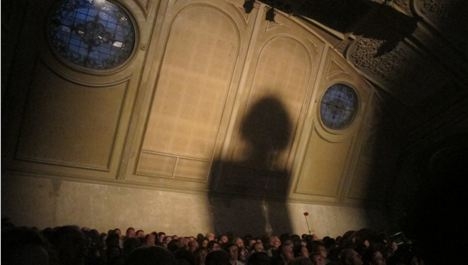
(93, 71)
(352, 121)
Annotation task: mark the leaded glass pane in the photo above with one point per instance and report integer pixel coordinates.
(96, 34)
(338, 106)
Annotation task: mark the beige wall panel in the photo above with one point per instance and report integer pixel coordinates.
(323, 167)
(164, 166)
(283, 72)
(284, 66)
(194, 81)
(367, 182)
(329, 156)
(192, 169)
(50, 131)
(270, 109)
(365, 151)
(156, 165)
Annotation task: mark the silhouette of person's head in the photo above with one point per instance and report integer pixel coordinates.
(267, 129)
(151, 256)
(217, 257)
(259, 258)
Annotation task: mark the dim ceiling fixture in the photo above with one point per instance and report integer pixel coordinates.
(248, 5)
(270, 14)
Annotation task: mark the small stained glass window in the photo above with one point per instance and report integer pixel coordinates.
(95, 34)
(338, 106)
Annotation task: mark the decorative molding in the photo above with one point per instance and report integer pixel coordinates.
(246, 16)
(171, 166)
(272, 25)
(334, 69)
(435, 11)
(144, 5)
(403, 5)
(61, 163)
(403, 72)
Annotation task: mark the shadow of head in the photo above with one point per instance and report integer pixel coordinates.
(266, 128)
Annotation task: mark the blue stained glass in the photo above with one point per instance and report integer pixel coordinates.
(96, 34)
(338, 106)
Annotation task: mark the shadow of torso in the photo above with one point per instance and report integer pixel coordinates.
(249, 195)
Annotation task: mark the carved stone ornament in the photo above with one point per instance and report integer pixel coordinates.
(407, 74)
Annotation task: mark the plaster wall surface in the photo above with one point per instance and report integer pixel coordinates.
(49, 202)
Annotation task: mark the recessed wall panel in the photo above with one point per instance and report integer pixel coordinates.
(282, 73)
(192, 169)
(193, 83)
(69, 124)
(323, 167)
(156, 165)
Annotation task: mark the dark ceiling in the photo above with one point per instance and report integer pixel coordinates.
(415, 52)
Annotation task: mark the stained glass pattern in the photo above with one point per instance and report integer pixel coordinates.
(338, 106)
(95, 34)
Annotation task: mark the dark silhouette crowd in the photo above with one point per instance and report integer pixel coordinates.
(74, 245)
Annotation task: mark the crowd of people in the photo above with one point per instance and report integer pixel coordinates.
(74, 245)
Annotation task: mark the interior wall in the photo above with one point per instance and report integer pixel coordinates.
(164, 137)
(49, 201)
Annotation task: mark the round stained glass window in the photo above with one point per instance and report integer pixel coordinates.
(95, 34)
(338, 106)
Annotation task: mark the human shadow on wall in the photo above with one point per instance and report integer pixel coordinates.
(248, 194)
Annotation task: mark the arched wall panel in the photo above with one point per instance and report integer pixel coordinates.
(191, 93)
